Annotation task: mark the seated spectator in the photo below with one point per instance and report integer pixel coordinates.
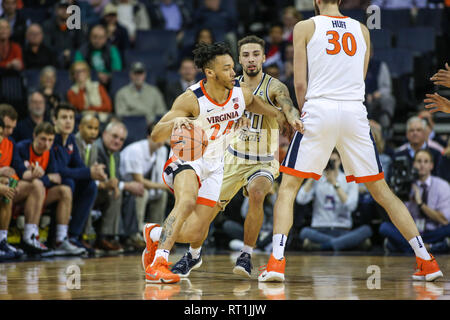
(109, 198)
(74, 173)
(334, 202)
(38, 154)
(62, 40)
(116, 33)
(16, 20)
(143, 162)
(47, 82)
(417, 139)
(139, 97)
(30, 192)
(10, 52)
(98, 5)
(85, 137)
(36, 114)
(188, 74)
(100, 55)
(429, 205)
(85, 94)
(380, 101)
(36, 54)
(133, 15)
(275, 45)
(434, 140)
(290, 18)
(203, 35)
(169, 15)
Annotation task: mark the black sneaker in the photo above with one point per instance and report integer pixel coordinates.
(33, 246)
(6, 247)
(243, 265)
(186, 264)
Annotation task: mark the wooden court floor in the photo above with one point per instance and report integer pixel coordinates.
(308, 277)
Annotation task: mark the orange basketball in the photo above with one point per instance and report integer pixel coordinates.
(189, 145)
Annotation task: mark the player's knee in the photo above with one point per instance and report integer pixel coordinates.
(65, 193)
(256, 195)
(37, 187)
(187, 205)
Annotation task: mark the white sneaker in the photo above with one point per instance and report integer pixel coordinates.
(65, 248)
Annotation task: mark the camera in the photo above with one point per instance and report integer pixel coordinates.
(330, 165)
(403, 176)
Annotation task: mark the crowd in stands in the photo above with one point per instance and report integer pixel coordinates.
(77, 107)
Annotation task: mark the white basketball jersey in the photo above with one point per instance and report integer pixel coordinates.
(336, 55)
(217, 120)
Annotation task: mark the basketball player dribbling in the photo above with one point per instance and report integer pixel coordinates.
(249, 161)
(217, 103)
(331, 56)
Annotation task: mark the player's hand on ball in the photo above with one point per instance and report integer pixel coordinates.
(442, 77)
(437, 103)
(181, 122)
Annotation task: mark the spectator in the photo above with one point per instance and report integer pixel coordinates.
(29, 192)
(133, 16)
(434, 140)
(379, 99)
(16, 20)
(47, 82)
(334, 202)
(100, 55)
(203, 35)
(85, 94)
(400, 4)
(143, 162)
(85, 137)
(10, 52)
(138, 97)
(188, 73)
(290, 18)
(38, 153)
(275, 46)
(36, 113)
(36, 54)
(417, 139)
(109, 199)
(59, 38)
(169, 15)
(444, 166)
(98, 5)
(429, 205)
(74, 173)
(116, 33)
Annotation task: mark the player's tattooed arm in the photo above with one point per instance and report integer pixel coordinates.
(282, 99)
(256, 104)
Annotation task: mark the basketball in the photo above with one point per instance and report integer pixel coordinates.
(189, 145)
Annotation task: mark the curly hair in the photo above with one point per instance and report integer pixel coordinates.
(204, 54)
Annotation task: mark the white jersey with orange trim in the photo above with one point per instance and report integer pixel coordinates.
(336, 53)
(217, 120)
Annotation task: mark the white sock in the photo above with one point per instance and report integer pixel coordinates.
(419, 248)
(247, 249)
(279, 244)
(61, 232)
(155, 234)
(36, 230)
(3, 235)
(195, 252)
(28, 231)
(161, 253)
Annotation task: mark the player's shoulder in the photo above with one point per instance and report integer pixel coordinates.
(304, 25)
(276, 85)
(187, 98)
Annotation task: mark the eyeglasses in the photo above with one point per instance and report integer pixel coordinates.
(79, 70)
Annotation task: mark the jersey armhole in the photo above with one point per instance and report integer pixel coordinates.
(314, 32)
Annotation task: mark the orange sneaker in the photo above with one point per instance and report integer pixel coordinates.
(150, 246)
(160, 291)
(427, 270)
(159, 272)
(274, 270)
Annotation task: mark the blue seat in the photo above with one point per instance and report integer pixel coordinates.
(63, 82)
(307, 14)
(31, 77)
(162, 42)
(356, 14)
(394, 19)
(430, 18)
(419, 40)
(399, 61)
(137, 128)
(36, 14)
(155, 63)
(381, 38)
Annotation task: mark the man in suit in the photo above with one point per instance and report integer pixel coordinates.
(188, 73)
(109, 198)
(85, 137)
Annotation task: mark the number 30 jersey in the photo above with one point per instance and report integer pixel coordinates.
(336, 53)
(217, 120)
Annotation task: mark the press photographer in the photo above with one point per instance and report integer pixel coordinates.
(429, 204)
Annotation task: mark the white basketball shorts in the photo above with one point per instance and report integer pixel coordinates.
(328, 124)
(209, 174)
